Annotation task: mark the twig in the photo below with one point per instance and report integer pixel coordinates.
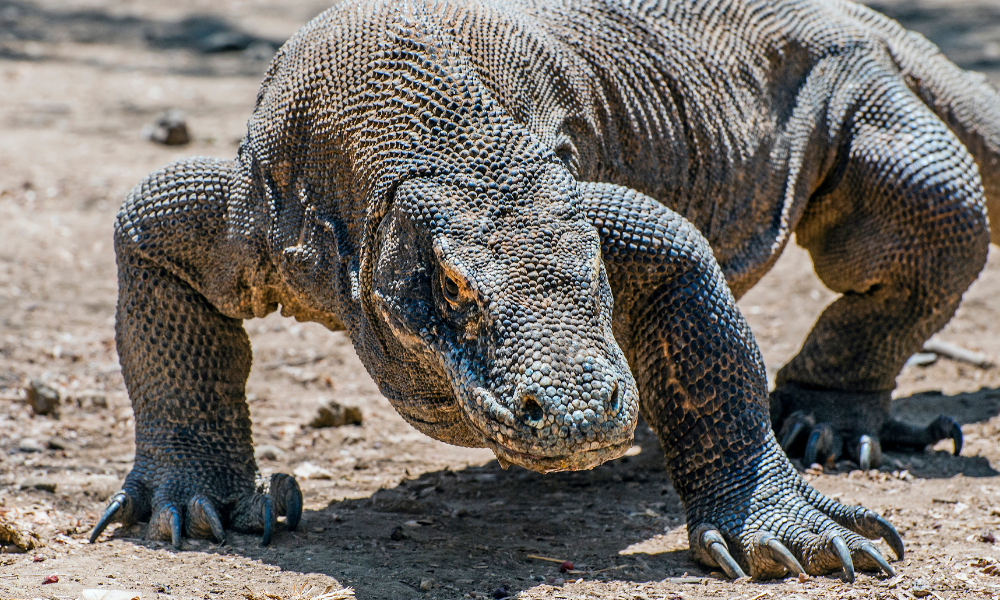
(956, 352)
(536, 557)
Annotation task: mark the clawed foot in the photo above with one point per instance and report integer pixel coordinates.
(782, 526)
(821, 426)
(199, 517)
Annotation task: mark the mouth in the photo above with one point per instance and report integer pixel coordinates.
(577, 461)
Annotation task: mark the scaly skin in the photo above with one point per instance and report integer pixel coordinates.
(533, 219)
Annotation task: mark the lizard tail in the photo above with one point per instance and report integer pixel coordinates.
(964, 100)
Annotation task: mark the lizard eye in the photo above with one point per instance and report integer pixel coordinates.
(451, 290)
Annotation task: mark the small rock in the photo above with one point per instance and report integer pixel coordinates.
(43, 399)
(987, 537)
(335, 414)
(558, 581)
(56, 443)
(920, 588)
(114, 594)
(37, 558)
(29, 445)
(38, 484)
(566, 566)
(308, 470)
(161, 588)
(397, 534)
(803, 577)
(13, 539)
(426, 585)
(50, 579)
(501, 592)
(268, 452)
(91, 400)
(169, 129)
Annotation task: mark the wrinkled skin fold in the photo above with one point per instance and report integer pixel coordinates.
(532, 237)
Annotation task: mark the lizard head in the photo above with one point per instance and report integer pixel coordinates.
(496, 300)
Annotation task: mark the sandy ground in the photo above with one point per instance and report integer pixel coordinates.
(389, 512)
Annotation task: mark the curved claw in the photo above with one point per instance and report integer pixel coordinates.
(888, 533)
(287, 497)
(955, 433)
(265, 539)
(175, 526)
(877, 557)
(809, 456)
(117, 501)
(716, 546)
(209, 516)
(783, 556)
(294, 514)
(792, 435)
(844, 554)
(865, 453)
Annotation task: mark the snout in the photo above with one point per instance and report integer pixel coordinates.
(570, 418)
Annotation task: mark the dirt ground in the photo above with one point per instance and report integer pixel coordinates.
(388, 512)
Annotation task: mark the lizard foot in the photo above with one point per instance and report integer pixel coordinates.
(779, 525)
(171, 516)
(821, 426)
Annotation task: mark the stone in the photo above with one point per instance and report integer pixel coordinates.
(334, 414)
(169, 129)
(268, 452)
(43, 399)
(29, 445)
(45, 485)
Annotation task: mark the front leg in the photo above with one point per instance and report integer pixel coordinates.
(185, 365)
(703, 390)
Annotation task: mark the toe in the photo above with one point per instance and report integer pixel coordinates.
(255, 513)
(824, 445)
(794, 432)
(166, 524)
(287, 498)
(866, 451)
(203, 520)
(839, 547)
(769, 558)
(945, 427)
(712, 549)
(117, 512)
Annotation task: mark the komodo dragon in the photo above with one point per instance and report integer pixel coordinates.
(525, 213)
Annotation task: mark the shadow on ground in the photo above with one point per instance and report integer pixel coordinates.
(967, 408)
(202, 34)
(473, 529)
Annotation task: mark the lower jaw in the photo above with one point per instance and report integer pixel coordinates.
(577, 461)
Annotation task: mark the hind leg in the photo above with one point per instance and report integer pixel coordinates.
(901, 237)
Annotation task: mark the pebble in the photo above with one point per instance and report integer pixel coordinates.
(29, 445)
(57, 443)
(43, 399)
(335, 414)
(426, 585)
(46, 485)
(169, 129)
(268, 452)
(91, 400)
(501, 592)
(920, 588)
(566, 566)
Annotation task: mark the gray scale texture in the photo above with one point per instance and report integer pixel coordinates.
(533, 220)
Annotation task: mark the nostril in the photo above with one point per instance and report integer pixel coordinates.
(532, 408)
(614, 399)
